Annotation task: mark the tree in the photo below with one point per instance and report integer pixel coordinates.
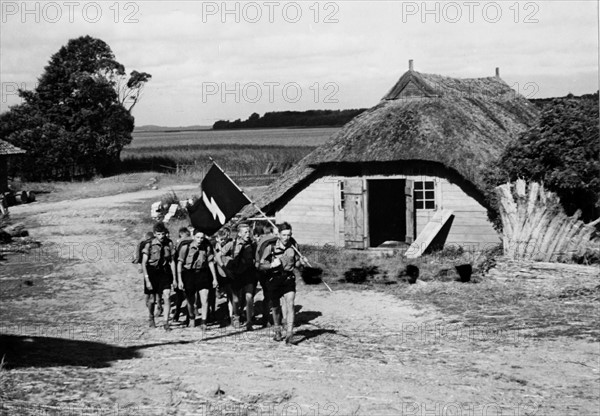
(562, 151)
(75, 122)
(130, 89)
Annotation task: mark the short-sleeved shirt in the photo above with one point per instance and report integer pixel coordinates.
(159, 254)
(196, 256)
(238, 256)
(287, 255)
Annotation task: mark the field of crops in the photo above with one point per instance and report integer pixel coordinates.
(257, 137)
(241, 151)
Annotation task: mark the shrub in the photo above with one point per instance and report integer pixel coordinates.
(359, 275)
(562, 151)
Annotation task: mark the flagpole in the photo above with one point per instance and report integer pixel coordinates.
(262, 213)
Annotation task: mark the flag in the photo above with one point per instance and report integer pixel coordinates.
(221, 199)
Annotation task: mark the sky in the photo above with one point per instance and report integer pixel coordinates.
(223, 60)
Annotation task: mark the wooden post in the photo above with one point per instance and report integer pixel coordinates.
(409, 214)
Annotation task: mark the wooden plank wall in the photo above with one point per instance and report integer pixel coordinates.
(317, 217)
(471, 225)
(311, 213)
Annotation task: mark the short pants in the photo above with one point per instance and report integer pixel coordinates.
(196, 280)
(280, 284)
(240, 281)
(160, 278)
(222, 278)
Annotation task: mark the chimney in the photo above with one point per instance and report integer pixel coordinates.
(497, 72)
(410, 65)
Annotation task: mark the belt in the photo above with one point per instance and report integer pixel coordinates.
(158, 267)
(281, 274)
(203, 269)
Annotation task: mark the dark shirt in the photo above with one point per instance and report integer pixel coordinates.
(196, 256)
(159, 254)
(238, 256)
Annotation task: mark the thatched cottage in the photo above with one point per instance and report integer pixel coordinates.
(410, 164)
(6, 150)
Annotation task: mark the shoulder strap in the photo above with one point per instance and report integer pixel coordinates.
(234, 244)
(204, 246)
(185, 242)
(150, 244)
(197, 253)
(187, 250)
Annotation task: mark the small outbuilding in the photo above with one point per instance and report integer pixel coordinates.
(410, 164)
(6, 150)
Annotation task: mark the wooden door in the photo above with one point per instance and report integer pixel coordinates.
(354, 213)
(410, 211)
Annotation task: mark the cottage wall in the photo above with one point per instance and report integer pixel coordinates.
(312, 213)
(317, 215)
(470, 226)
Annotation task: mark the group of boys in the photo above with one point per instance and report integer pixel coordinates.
(195, 267)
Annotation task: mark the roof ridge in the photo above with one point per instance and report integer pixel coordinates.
(419, 84)
(448, 77)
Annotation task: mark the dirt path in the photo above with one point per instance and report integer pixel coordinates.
(83, 345)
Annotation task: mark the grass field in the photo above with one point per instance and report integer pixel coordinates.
(254, 137)
(240, 159)
(239, 151)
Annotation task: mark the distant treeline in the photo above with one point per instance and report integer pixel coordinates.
(544, 102)
(310, 118)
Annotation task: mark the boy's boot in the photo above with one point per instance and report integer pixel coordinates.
(150, 305)
(290, 328)
(288, 336)
(167, 325)
(277, 325)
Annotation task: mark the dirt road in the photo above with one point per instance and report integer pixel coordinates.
(75, 339)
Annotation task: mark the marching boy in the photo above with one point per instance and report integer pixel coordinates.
(264, 236)
(197, 271)
(237, 259)
(279, 262)
(159, 268)
(185, 238)
(221, 240)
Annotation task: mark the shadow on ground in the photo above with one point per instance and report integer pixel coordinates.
(23, 351)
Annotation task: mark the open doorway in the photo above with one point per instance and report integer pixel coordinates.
(387, 210)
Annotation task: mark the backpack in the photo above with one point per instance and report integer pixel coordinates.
(238, 264)
(262, 246)
(138, 254)
(183, 243)
(268, 242)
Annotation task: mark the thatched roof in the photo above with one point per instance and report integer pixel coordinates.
(8, 149)
(461, 123)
